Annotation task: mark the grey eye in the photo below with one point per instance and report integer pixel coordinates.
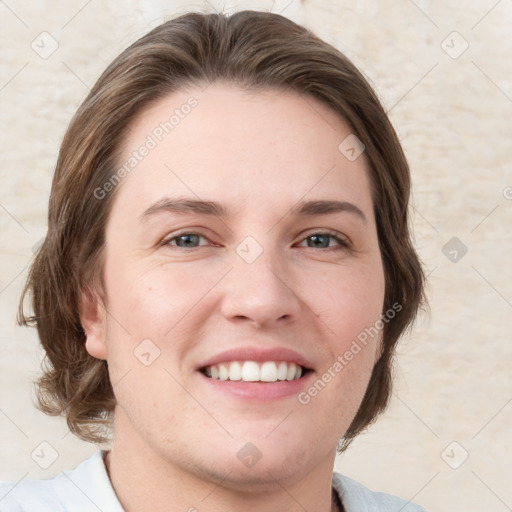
(319, 240)
(187, 240)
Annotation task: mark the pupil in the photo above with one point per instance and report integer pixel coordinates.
(187, 239)
(317, 238)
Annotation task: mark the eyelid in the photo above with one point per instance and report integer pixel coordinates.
(324, 231)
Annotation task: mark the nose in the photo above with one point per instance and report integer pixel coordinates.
(262, 292)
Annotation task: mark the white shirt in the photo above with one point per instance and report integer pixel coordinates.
(87, 488)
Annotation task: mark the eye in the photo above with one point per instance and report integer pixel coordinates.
(185, 240)
(323, 241)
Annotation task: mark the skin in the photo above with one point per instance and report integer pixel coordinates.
(176, 438)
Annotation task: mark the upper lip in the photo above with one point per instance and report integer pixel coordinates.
(258, 355)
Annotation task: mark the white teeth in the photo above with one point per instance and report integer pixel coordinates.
(223, 372)
(290, 375)
(251, 371)
(235, 371)
(282, 370)
(268, 372)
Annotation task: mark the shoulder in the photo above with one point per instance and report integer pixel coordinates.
(358, 498)
(85, 488)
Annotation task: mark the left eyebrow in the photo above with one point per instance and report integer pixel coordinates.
(302, 209)
(310, 208)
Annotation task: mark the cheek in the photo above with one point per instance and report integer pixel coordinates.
(349, 301)
(144, 298)
(158, 303)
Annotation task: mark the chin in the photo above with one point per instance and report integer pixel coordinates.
(269, 473)
(259, 463)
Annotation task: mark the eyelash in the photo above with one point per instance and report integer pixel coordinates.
(343, 243)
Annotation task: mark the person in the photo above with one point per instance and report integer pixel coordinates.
(227, 271)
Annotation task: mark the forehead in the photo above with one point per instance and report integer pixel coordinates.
(240, 146)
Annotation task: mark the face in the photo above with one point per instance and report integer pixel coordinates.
(241, 263)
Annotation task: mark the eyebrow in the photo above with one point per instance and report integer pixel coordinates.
(301, 209)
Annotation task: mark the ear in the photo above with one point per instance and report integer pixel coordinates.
(93, 320)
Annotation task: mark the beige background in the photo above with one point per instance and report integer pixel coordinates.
(452, 108)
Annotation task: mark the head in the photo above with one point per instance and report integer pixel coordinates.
(257, 114)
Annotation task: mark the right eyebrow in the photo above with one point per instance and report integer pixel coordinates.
(185, 206)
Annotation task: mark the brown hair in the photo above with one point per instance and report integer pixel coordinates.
(249, 49)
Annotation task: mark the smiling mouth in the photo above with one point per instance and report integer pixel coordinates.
(252, 371)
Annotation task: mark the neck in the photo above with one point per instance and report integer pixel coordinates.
(144, 481)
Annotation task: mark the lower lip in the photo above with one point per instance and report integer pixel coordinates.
(260, 390)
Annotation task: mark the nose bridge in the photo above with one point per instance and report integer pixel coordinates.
(260, 286)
